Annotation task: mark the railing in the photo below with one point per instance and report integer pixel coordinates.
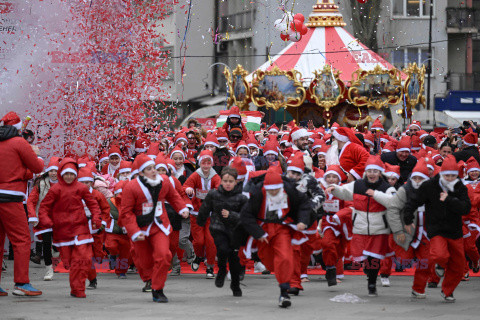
(241, 21)
(461, 19)
(463, 81)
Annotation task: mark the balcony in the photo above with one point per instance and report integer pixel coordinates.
(238, 22)
(462, 20)
(463, 81)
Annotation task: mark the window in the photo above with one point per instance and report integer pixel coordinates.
(402, 57)
(411, 8)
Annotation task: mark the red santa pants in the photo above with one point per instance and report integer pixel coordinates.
(277, 255)
(14, 224)
(174, 237)
(471, 250)
(154, 254)
(119, 245)
(145, 274)
(202, 241)
(98, 254)
(332, 248)
(78, 260)
(295, 281)
(314, 243)
(449, 254)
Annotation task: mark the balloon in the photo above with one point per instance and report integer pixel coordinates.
(296, 39)
(299, 17)
(304, 30)
(296, 25)
(284, 37)
(285, 32)
(280, 25)
(362, 1)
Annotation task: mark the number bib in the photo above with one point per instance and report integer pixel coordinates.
(331, 205)
(147, 207)
(201, 194)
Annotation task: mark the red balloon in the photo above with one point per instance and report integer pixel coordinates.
(304, 30)
(299, 17)
(296, 25)
(284, 37)
(362, 1)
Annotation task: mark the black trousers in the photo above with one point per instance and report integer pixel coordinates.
(227, 252)
(46, 247)
(371, 268)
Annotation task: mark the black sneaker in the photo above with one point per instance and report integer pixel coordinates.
(372, 290)
(220, 279)
(36, 259)
(195, 264)
(432, 285)
(331, 276)
(158, 296)
(210, 274)
(439, 271)
(284, 301)
(237, 292)
(242, 273)
(92, 284)
(293, 290)
(148, 286)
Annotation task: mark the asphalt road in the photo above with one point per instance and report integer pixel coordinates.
(194, 297)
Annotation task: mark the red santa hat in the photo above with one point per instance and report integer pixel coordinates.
(206, 154)
(317, 144)
(153, 150)
(82, 162)
(377, 125)
(392, 171)
(171, 165)
(296, 163)
(390, 146)
(238, 164)
(298, 133)
(211, 140)
(114, 151)
(374, 162)
(270, 148)
(273, 179)
(12, 119)
(415, 123)
(416, 143)
(368, 138)
(449, 165)
(85, 175)
(68, 165)
(144, 161)
(472, 165)
(336, 170)
(404, 144)
(324, 149)
(180, 137)
(125, 166)
(141, 145)
(334, 126)
(420, 170)
(161, 162)
(318, 174)
(422, 134)
(470, 139)
(177, 149)
(103, 157)
(119, 187)
(252, 142)
(222, 135)
(242, 144)
(273, 129)
(345, 134)
(234, 112)
(285, 140)
(53, 164)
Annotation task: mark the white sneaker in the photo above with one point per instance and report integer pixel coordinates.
(385, 281)
(258, 267)
(55, 254)
(49, 274)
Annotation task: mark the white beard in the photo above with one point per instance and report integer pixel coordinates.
(274, 202)
(332, 154)
(153, 182)
(417, 185)
(448, 185)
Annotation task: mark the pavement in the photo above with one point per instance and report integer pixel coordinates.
(194, 297)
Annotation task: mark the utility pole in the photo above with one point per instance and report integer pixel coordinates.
(429, 66)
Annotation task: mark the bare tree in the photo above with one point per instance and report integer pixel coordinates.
(365, 18)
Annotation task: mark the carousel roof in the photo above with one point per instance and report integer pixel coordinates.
(326, 43)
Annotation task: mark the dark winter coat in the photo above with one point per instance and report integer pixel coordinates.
(466, 153)
(406, 167)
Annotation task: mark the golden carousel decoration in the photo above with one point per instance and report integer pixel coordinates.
(413, 89)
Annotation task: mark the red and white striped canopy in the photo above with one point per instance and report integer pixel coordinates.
(325, 45)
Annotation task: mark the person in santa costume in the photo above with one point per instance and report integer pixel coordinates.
(349, 153)
(62, 211)
(18, 157)
(446, 201)
(411, 242)
(114, 158)
(234, 120)
(469, 148)
(144, 216)
(274, 203)
(39, 191)
(299, 139)
(197, 187)
(370, 197)
(401, 157)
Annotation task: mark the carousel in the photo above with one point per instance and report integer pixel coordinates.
(326, 75)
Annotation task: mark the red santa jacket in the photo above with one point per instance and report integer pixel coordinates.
(17, 156)
(33, 202)
(62, 211)
(104, 211)
(201, 185)
(472, 219)
(179, 188)
(353, 158)
(136, 200)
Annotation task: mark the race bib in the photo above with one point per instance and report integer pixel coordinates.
(201, 194)
(147, 207)
(278, 205)
(158, 210)
(331, 205)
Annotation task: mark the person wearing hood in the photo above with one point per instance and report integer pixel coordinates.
(446, 200)
(144, 216)
(234, 120)
(114, 159)
(18, 157)
(411, 241)
(223, 207)
(197, 187)
(62, 211)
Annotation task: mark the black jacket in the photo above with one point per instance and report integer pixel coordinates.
(441, 218)
(8, 132)
(406, 167)
(215, 202)
(466, 153)
(299, 211)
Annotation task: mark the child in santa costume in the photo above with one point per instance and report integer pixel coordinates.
(411, 242)
(62, 210)
(144, 216)
(85, 176)
(222, 207)
(114, 158)
(446, 201)
(197, 187)
(370, 197)
(273, 204)
(182, 171)
(39, 191)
